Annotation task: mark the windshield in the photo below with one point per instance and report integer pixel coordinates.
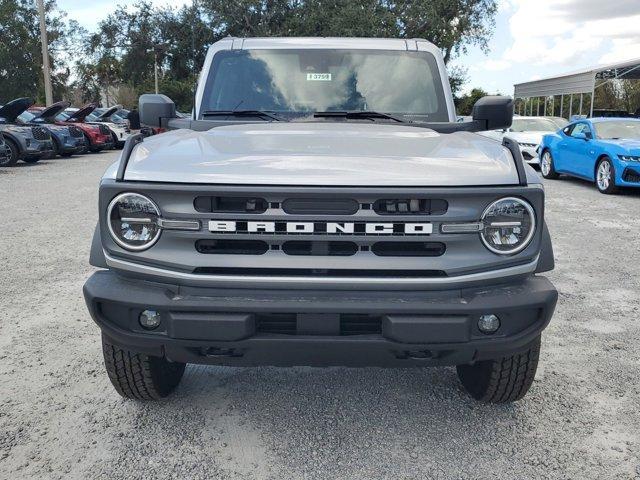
(26, 117)
(532, 125)
(301, 82)
(618, 129)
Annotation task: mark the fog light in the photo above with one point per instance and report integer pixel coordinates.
(488, 323)
(149, 319)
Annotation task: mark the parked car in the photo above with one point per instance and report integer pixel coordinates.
(97, 137)
(528, 132)
(26, 143)
(602, 150)
(560, 122)
(310, 227)
(67, 139)
(119, 129)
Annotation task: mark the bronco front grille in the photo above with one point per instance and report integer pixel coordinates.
(256, 232)
(40, 133)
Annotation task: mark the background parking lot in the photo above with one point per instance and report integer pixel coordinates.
(60, 418)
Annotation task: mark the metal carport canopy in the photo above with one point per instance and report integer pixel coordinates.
(582, 81)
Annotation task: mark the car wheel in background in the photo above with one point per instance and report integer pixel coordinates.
(56, 149)
(139, 376)
(87, 143)
(12, 154)
(606, 177)
(503, 380)
(546, 166)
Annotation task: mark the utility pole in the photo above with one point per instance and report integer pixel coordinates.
(48, 92)
(155, 67)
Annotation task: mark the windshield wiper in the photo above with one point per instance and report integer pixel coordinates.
(244, 113)
(358, 114)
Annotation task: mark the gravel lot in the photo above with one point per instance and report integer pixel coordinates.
(60, 417)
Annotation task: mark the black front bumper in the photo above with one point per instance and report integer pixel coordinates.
(320, 328)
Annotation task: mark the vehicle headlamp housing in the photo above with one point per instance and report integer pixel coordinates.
(509, 225)
(629, 158)
(133, 221)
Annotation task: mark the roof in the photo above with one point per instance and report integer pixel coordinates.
(612, 119)
(328, 42)
(581, 81)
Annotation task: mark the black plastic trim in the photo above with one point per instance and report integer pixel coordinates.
(514, 148)
(129, 145)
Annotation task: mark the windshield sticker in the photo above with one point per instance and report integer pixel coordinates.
(318, 77)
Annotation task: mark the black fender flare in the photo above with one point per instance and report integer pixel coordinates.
(96, 256)
(546, 261)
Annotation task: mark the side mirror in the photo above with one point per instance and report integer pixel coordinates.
(156, 109)
(494, 112)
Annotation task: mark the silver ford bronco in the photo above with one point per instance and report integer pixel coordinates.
(322, 207)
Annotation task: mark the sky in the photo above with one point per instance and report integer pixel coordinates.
(532, 39)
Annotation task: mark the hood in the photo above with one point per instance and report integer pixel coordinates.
(322, 154)
(11, 110)
(109, 112)
(631, 144)
(82, 113)
(527, 137)
(49, 113)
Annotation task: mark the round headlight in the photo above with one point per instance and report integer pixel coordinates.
(133, 221)
(509, 225)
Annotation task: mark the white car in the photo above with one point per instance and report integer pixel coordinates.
(528, 132)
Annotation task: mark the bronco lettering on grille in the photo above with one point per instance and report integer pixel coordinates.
(322, 228)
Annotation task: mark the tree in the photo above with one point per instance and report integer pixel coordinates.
(20, 49)
(465, 103)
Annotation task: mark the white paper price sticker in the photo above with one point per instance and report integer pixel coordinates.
(318, 77)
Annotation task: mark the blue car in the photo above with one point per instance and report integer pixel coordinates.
(603, 150)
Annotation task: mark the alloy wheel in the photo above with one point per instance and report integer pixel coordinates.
(604, 175)
(545, 165)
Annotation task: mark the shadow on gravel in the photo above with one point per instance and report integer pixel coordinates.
(624, 191)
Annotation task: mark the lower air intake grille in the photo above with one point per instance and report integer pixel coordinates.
(630, 175)
(277, 323)
(355, 324)
(287, 324)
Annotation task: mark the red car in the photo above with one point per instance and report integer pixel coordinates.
(97, 137)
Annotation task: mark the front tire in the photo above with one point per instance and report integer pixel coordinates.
(546, 166)
(503, 380)
(12, 154)
(606, 177)
(139, 376)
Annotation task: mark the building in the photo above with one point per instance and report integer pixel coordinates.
(577, 93)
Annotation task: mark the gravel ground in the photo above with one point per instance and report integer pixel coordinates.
(60, 417)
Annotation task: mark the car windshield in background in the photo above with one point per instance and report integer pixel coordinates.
(26, 117)
(301, 82)
(533, 125)
(618, 129)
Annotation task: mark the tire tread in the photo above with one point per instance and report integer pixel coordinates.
(139, 376)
